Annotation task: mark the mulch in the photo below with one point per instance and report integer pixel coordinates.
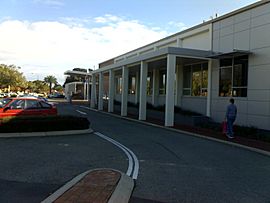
(219, 135)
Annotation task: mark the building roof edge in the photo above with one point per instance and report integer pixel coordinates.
(234, 12)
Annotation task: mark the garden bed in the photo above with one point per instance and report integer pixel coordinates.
(42, 124)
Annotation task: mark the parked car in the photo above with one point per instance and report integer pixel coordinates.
(23, 106)
(56, 96)
(35, 97)
(3, 95)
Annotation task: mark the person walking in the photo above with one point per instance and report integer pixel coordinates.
(231, 114)
(69, 97)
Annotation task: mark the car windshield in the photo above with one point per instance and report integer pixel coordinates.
(3, 102)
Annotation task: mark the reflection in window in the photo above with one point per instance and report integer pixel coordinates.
(118, 85)
(162, 82)
(17, 104)
(149, 83)
(195, 79)
(233, 77)
(132, 85)
(225, 82)
(187, 80)
(33, 104)
(45, 105)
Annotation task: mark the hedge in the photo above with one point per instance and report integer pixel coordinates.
(42, 124)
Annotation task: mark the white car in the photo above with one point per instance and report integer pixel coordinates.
(2, 95)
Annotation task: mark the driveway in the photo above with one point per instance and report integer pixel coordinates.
(174, 167)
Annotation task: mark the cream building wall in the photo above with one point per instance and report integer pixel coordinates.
(245, 29)
(196, 38)
(249, 30)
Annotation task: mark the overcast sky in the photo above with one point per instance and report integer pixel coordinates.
(48, 37)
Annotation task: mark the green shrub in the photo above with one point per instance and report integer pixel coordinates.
(252, 133)
(185, 112)
(241, 131)
(42, 124)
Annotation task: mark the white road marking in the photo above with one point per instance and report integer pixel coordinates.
(81, 112)
(133, 163)
(85, 107)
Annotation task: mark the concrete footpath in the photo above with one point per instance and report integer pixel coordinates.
(95, 186)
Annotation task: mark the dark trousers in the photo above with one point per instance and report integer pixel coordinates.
(230, 122)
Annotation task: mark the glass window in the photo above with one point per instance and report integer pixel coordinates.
(233, 78)
(4, 102)
(204, 75)
(18, 104)
(204, 79)
(187, 77)
(132, 85)
(225, 82)
(195, 79)
(162, 82)
(226, 62)
(32, 104)
(118, 85)
(45, 105)
(187, 80)
(149, 83)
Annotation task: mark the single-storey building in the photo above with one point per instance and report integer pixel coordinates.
(198, 69)
(79, 90)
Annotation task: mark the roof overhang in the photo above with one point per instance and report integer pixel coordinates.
(233, 53)
(79, 73)
(180, 52)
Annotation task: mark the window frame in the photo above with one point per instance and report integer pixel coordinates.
(162, 80)
(132, 84)
(203, 90)
(118, 85)
(233, 87)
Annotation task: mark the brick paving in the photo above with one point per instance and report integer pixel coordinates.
(95, 187)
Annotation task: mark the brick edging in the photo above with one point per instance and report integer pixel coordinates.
(121, 194)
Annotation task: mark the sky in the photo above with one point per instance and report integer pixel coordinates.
(49, 37)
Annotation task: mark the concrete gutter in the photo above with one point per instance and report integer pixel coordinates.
(44, 134)
(123, 190)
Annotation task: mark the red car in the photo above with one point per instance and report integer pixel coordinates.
(25, 107)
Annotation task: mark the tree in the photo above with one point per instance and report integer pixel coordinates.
(80, 70)
(50, 80)
(11, 77)
(38, 86)
(58, 88)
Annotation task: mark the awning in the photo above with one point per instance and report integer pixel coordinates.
(233, 53)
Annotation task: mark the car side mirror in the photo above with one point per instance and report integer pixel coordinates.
(6, 108)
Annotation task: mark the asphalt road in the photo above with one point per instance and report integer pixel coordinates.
(32, 168)
(174, 167)
(180, 168)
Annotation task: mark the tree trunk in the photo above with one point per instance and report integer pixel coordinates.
(50, 88)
